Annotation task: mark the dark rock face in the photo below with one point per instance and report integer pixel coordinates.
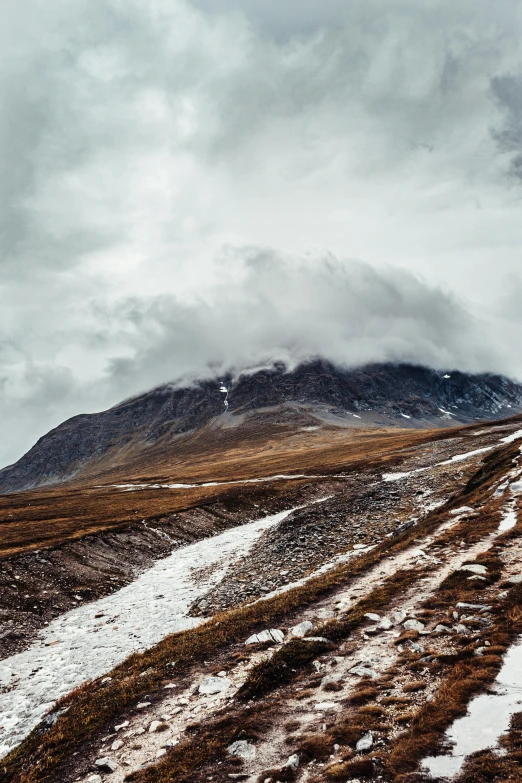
(396, 392)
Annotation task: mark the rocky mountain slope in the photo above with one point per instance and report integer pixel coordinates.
(311, 394)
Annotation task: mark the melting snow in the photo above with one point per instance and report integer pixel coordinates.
(488, 717)
(78, 647)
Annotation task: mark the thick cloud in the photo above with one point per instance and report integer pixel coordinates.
(181, 182)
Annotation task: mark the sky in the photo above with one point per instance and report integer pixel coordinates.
(192, 186)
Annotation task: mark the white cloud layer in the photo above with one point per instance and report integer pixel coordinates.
(184, 183)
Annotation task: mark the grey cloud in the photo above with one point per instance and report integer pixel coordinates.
(143, 143)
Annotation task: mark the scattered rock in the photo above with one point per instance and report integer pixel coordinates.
(302, 629)
(413, 625)
(463, 605)
(325, 614)
(211, 685)
(442, 629)
(161, 752)
(330, 678)
(157, 725)
(474, 568)
(94, 779)
(375, 618)
(117, 744)
(122, 725)
(142, 705)
(315, 639)
(386, 624)
(461, 629)
(364, 671)
(365, 743)
(515, 580)
(106, 764)
(326, 706)
(243, 749)
(293, 763)
(476, 577)
(480, 651)
(271, 636)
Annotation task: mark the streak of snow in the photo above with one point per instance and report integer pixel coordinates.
(488, 717)
(77, 647)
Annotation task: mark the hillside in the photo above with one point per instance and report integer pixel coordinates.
(328, 625)
(157, 428)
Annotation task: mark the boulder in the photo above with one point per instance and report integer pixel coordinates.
(157, 725)
(106, 764)
(365, 743)
(243, 750)
(211, 685)
(272, 636)
(364, 671)
(302, 629)
(326, 706)
(413, 625)
(474, 568)
(293, 763)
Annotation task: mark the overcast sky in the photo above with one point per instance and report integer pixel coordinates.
(194, 185)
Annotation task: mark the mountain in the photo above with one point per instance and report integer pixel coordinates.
(313, 394)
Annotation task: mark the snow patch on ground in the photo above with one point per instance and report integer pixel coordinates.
(78, 647)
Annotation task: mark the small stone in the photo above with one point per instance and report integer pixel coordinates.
(243, 749)
(375, 618)
(315, 639)
(442, 629)
(106, 764)
(463, 605)
(222, 674)
(122, 725)
(325, 614)
(184, 701)
(515, 580)
(330, 678)
(477, 578)
(302, 629)
(365, 743)
(117, 744)
(177, 710)
(364, 671)
(270, 636)
(212, 685)
(326, 706)
(161, 752)
(480, 651)
(474, 568)
(94, 779)
(171, 743)
(461, 629)
(139, 731)
(413, 625)
(385, 624)
(293, 763)
(156, 725)
(142, 705)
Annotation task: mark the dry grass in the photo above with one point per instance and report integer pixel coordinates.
(468, 676)
(93, 707)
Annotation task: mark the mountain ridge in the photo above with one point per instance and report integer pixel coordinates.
(312, 393)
